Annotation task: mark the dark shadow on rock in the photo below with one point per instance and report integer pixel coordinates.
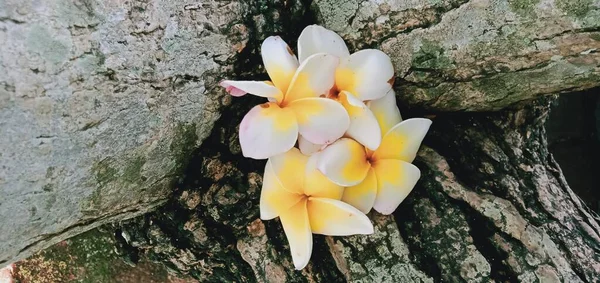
(574, 140)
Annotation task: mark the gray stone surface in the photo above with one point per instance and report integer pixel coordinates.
(100, 104)
(476, 55)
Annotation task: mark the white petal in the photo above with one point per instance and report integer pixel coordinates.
(317, 39)
(296, 226)
(268, 130)
(274, 198)
(307, 147)
(288, 167)
(386, 111)
(363, 125)
(395, 180)
(320, 120)
(362, 196)
(317, 185)
(280, 62)
(315, 77)
(337, 218)
(262, 89)
(344, 162)
(403, 140)
(368, 74)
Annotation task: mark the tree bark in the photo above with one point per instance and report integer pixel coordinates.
(492, 205)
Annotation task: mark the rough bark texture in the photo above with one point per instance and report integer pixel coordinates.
(492, 205)
(102, 103)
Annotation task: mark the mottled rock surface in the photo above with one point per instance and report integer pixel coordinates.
(102, 104)
(455, 55)
(90, 257)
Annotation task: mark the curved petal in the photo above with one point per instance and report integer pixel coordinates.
(268, 130)
(336, 218)
(386, 111)
(368, 74)
(317, 39)
(344, 162)
(395, 180)
(320, 120)
(262, 89)
(362, 196)
(296, 226)
(403, 140)
(363, 125)
(317, 185)
(314, 77)
(288, 168)
(307, 147)
(274, 198)
(279, 60)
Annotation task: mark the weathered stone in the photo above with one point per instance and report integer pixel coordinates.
(101, 103)
(476, 55)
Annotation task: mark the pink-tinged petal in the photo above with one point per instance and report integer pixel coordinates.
(363, 125)
(320, 120)
(280, 62)
(274, 197)
(296, 226)
(262, 89)
(336, 218)
(315, 77)
(268, 130)
(395, 180)
(317, 39)
(368, 74)
(386, 111)
(344, 162)
(288, 167)
(308, 148)
(362, 196)
(403, 140)
(317, 185)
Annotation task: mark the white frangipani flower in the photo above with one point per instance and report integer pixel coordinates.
(296, 102)
(306, 203)
(362, 76)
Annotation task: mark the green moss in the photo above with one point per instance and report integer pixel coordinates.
(431, 56)
(184, 142)
(50, 172)
(132, 172)
(48, 187)
(524, 8)
(575, 8)
(104, 172)
(595, 36)
(89, 257)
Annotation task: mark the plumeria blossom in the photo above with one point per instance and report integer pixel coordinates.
(381, 178)
(296, 102)
(306, 202)
(363, 76)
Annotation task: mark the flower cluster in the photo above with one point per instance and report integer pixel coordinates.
(354, 151)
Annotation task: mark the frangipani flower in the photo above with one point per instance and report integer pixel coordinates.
(363, 76)
(379, 179)
(295, 103)
(306, 203)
